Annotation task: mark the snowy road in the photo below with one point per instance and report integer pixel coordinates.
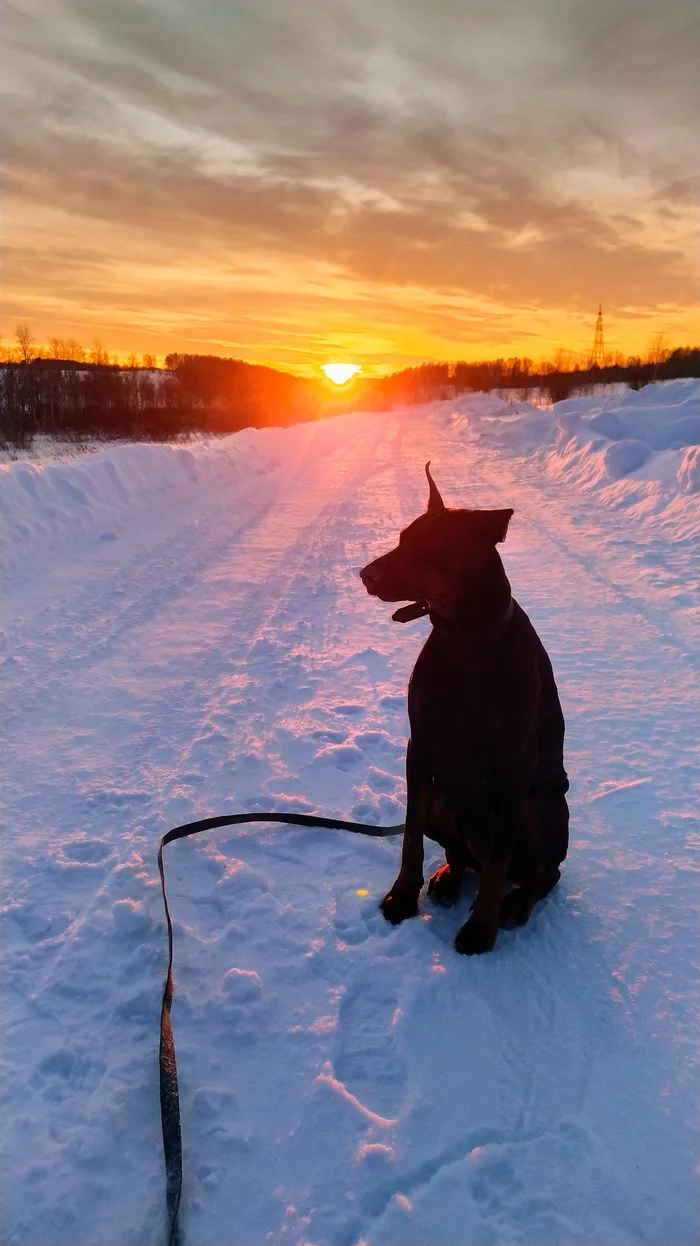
(342, 1081)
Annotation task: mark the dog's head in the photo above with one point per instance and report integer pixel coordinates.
(440, 556)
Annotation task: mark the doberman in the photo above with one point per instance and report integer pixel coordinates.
(485, 761)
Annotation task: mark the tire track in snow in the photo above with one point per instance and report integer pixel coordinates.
(155, 579)
(536, 510)
(243, 635)
(631, 603)
(283, 566)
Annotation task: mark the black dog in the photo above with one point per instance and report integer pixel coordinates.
(484, 767)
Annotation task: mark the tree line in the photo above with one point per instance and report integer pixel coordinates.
(95, 397)
(26, 349)
(79, 400)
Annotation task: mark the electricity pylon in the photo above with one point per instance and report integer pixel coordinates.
(597, 355)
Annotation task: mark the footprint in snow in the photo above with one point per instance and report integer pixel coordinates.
(262, 650)
(139, 1009)
(64, 1071)
(34, 924)
(380, 780)
(130, 917)
(210, 1176)
(210, 1103)
(242, 986)
(344, 756)
(392, 703)
(381, 740)
(115, 797)
(366, 811)
(237, 1008)
(494, 1183)
(87, 851)
(354, 916)
(368, 1061)
(370, 658)
(391, 810)
(210, 743)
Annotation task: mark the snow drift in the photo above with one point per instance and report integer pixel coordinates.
(650, 435)
(51, 507)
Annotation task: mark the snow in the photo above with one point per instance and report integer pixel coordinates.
(54, 505)
(600, 440)
(343, 1081)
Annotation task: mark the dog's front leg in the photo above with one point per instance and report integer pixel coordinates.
(479, 933)
(402, 900)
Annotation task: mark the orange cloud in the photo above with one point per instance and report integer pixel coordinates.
(290, 183)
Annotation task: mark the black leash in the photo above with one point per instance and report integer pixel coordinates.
(169, 1093)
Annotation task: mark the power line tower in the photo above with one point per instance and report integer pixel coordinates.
(597, 355)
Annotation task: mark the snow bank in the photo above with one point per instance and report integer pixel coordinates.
(643, 445)
(52, 506)
(647, 439)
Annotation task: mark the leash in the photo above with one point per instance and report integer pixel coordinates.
(169, 1092)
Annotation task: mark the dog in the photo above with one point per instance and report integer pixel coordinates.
(485, 770)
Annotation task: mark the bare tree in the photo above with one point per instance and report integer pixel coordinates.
(132, 361)
(57, 348)
(564, 361)
(99, 353)
(74, 350)
(149, 361)
(26, 344)
(658, 351)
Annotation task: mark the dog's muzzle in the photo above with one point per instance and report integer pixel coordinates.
(371, 577)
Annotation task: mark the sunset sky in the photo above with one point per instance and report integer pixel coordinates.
(379, 181)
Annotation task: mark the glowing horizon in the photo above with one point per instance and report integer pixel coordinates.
(569, 357)
(340, 373)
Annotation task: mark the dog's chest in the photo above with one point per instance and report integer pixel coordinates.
(470, 702)
(455, 691)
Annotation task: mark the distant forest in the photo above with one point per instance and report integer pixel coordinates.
(84, 397)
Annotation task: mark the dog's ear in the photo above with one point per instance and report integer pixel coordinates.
(493, 525)
(435, 502)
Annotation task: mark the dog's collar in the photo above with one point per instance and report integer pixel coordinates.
(406, 614)
(417, 609)
(490, 629)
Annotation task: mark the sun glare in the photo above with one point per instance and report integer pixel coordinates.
(339, 373)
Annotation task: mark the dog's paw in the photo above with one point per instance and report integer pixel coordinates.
(515, 909)
(475, 937)
(399, 904)
(444, 886)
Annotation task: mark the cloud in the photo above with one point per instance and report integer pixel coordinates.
(534, 156)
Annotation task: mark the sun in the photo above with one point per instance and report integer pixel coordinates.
(339, 373)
